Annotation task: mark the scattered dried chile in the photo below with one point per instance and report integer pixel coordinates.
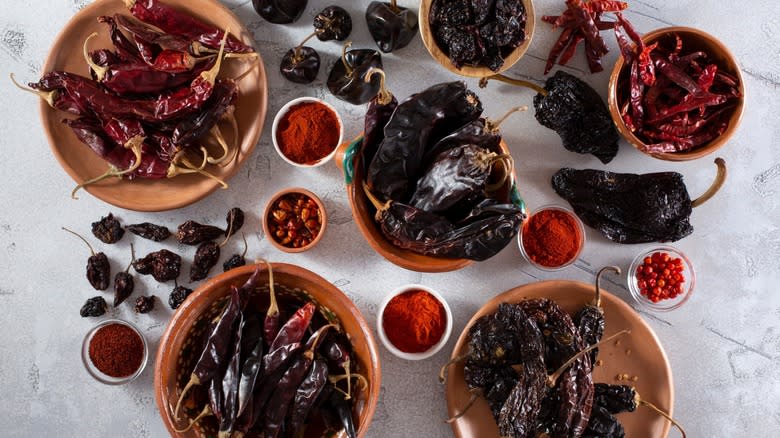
(478, 33)
(280, 11)
(108, 229)
(163, 265)
(577, 113)
(98, 268)
(301, 64)
(347, 79)
(95, 306)
(124, 282)
(144, 304)
(333, 23)
(235, 220)
(206, 256)
(391, 26)
(150, 231)
(236, 260)
(194, 233)
(178, 295)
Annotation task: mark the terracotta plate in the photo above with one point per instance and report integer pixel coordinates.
(150, 195)
(646, 360)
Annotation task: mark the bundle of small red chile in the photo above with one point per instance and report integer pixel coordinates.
(294, 220)
(673, 100)
(308, 132)
(661, 277)
(414, 321)
(478, 32)
(116, 350)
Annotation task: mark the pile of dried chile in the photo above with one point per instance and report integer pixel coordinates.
(478, 32)
(436, 174)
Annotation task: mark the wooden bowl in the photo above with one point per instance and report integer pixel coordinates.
(144, 194)
(191, 320)
(363, 213)
(267, 212)
(693, 40)
(468, 70)
(637, 354)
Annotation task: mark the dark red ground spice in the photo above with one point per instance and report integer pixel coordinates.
(116, 350)
(308, 132)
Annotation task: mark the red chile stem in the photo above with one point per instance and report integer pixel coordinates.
(511, 81)
(100, 71)
(720, 178)
(597, 298)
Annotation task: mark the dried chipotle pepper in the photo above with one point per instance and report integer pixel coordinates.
(98, 268)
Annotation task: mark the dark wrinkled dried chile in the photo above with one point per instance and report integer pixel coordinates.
(98, 268)
(206, 256)
(194, 233)
(163, 265)
(235, 261)
(108, 229)
(144, 304)
(234, 220)
(333, 23)
(95, 306)
(178, 295)
(123, 287)
(577, 114)
(150, 231)
(391, 26)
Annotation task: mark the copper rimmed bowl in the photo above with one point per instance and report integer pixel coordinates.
(176, 354)
(693, 40)
(363, 212)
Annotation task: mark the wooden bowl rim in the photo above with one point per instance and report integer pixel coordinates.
(699, 152)
(182, 314)
(469, 70)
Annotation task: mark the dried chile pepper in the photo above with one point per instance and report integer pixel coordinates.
(391, 26)
(251, 366)
(401, 223)
(150, 231)
(94, 307)
(163, 265)
(280, 11)
(194, 233)
(347, 79)
(293, 330)
(144, 304)
(414, 124)
(301, 64)
(602, 424)
(236, 260)
(343, 410)
(234, 221)
(178, 295)
(55, 97)
(306, 395)
(380, 109)
(336, 350)
(206, 256)
(616, 399)
(221, 105)
(633, 208)
(176, 22)
(124, 282)
(108, 229)
(590, 319)
(98, 268)
(230, 382)
(333, 23)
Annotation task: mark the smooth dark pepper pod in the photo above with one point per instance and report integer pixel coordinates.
(347, 79)
(391, 26)
(124, 284)
(301, 64)
(333, 23)
(280, 11)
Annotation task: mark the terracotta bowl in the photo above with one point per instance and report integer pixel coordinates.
(144, 194)
(693, 40)
(267, 212)
(467, 70)
(363, 213)
(175, 357)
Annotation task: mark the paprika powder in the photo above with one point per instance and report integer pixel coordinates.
(552, 238)
(414, 321)
(308, 132)
(116, 350)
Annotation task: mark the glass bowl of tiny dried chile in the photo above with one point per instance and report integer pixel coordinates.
(688, 102)
(114, 352)
(294, 220)
(661, 279)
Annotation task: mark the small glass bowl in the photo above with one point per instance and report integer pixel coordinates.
(413, 356)
(284, 110)
(99, 375)
(668, 304)
(580, 228)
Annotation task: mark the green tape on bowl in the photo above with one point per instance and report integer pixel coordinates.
(349, 159)
(514, 196)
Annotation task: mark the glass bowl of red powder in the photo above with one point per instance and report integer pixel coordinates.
(114, 352)
(414, 322)
(552, 238)
(307, 131)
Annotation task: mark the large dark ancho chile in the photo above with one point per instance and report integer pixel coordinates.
(626, 207)
(576, 112)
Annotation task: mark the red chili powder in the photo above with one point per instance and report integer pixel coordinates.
(414, 321)
(308, 132)
(551, 238)
(116, 350)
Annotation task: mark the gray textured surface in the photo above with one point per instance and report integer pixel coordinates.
(724, 345)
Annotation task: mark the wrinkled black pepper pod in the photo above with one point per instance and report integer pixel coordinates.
(347, 79)
(333, 23)
(391, 26)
